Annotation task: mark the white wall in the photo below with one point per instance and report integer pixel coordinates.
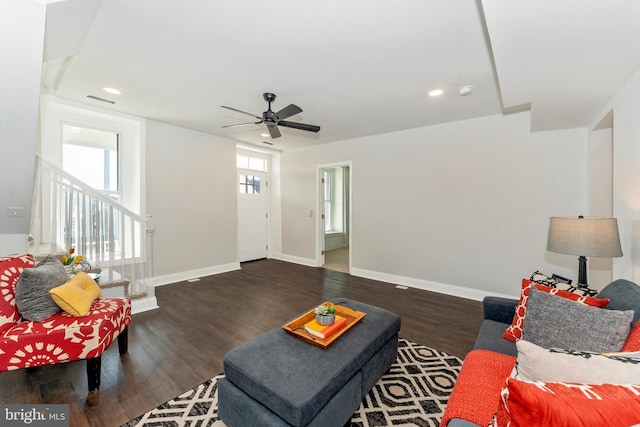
(626, 176)
(600, 195)
(191, 194)
(462, 207)
(21, 46)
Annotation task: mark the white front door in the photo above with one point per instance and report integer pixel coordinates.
(252, 215)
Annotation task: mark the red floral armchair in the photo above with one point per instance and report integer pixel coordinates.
(61, 337)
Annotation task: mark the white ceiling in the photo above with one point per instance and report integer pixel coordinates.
(356, 67)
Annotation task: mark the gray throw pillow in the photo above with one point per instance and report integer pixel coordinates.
(32, 290)
(555, 322)
(623, 295)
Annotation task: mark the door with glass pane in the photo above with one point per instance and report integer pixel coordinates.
(252, 215)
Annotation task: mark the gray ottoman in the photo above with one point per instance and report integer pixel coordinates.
(279, 380)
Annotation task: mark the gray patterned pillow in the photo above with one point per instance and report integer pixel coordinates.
(32, 290)
(554, 322)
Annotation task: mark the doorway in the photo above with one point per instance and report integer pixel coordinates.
(335, 192)
(252, 169)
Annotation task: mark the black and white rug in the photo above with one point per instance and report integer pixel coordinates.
(414, 392)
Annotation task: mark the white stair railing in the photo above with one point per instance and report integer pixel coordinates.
(68, 213)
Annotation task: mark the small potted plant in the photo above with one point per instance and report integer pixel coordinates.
(325, 314)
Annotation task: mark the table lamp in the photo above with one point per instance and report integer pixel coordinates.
(584, 236)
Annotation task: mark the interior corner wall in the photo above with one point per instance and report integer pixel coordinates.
(275, 206)
(626, 177)
(191, 195)
(465, 204)
(600, 196)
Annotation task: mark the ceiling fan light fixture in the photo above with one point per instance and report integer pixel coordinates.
(264, 135)
(435, 92)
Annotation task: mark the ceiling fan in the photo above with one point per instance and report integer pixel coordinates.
(273, 120)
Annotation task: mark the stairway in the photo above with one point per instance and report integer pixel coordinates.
(67, 213)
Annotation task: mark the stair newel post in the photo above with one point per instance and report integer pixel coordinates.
(150, 228)
(36, 216)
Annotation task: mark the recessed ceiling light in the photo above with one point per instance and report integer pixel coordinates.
(111, 90)
(465, 90)
(436, 92)
(264, 135)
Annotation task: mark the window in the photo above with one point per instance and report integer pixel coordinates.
(249, 184)
(92, 156)
(251, 163)
(328, 199)
(334, 200)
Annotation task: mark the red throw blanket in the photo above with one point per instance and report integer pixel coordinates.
(476, 395)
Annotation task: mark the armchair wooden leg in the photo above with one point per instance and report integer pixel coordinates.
(123, 341)
(93, 372)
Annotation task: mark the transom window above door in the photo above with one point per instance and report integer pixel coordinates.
(251, 163)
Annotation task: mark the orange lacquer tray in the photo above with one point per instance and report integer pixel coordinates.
(296, 326)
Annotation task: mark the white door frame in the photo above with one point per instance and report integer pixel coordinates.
(320, 209)
(267, 155)
(251, 253)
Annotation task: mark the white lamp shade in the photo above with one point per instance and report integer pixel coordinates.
(584, 236)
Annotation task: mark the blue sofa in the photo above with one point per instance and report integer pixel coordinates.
(499, 312)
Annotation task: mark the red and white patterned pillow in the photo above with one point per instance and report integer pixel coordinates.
(536, 403)
(514, 331)
(10, 269)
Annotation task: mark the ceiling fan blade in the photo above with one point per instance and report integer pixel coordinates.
(273, 130)
(301, 126)
(242, 124)
(290, 110)
(240, 111)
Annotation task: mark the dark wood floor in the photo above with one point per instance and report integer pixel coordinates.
(180, 345)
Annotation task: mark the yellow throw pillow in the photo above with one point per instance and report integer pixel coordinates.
(87, 284)
(76, 295)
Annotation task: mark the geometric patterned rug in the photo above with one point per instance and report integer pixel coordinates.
(414, 392)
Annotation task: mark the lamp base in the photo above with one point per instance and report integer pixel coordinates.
(582, 278)
(582, 272)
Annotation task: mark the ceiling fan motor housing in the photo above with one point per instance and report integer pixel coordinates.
(269, 116)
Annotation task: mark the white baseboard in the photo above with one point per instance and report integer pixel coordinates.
(427, 285)
(296, 260)
(140, 305)
(193, 274)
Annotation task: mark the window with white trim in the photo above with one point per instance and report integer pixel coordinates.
(92, 156)
(334, 213)
(251, 163)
